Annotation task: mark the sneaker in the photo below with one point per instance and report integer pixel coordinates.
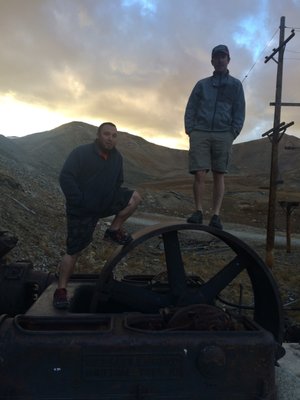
(196, 218)
(60, 299)
(119, 236)
(215, 222)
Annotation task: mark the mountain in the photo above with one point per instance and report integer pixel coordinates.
(32, 204)
(143, 161)
(255, 156)
(31, 201)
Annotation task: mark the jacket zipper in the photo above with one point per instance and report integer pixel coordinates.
(215, 108)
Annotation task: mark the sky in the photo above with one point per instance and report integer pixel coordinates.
(135, 63)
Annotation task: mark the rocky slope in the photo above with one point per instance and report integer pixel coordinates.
(32, 205)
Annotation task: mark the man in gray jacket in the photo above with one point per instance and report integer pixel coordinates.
(214, 117)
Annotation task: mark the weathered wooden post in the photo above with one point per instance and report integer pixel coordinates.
(288, 207)
(274, 136)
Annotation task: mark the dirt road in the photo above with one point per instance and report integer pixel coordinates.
(244, 232)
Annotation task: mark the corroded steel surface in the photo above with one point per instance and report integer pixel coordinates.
(267, 307)
(131, 340)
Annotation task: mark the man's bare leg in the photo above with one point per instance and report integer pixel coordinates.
(199, 189)
(66, 269)
(218, 192)
(124, 214)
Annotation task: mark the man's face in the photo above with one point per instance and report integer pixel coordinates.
(107, 137)
(220, 62)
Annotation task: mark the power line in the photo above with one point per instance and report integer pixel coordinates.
(292, 58)
(295, 29)
(268, 44)
(292, 51)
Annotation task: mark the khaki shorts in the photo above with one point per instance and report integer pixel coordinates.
(210, 150)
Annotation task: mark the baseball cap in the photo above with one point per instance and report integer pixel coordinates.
(221, 48)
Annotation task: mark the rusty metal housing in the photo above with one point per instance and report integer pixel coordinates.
(140, 337)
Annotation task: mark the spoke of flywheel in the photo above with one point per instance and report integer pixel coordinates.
(221, 280)
(174, 263)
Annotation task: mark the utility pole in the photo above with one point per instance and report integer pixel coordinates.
(275, 136)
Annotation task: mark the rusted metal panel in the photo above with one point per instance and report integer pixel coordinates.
(94, 357)
(139, 337)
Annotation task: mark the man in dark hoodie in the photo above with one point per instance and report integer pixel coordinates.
(91, 180)
(214, 117)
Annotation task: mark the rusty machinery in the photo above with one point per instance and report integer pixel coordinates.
(167, 335)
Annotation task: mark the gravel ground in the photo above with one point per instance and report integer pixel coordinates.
(288, 373)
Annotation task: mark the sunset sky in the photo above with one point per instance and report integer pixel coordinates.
(135, 62)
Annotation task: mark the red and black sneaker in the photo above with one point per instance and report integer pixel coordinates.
(118, 236)
(60, 299)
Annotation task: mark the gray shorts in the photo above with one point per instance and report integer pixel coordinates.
(210, 150)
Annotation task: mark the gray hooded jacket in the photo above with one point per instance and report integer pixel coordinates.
(217, 103)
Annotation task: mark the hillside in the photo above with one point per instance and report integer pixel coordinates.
(143, 161)
(31, 202)
(32, 205)
(254, 158)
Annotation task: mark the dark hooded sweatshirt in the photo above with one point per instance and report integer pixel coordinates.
(90, 182)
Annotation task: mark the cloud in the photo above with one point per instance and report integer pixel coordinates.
(147, 7)
(136, 61)
(251, 32)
